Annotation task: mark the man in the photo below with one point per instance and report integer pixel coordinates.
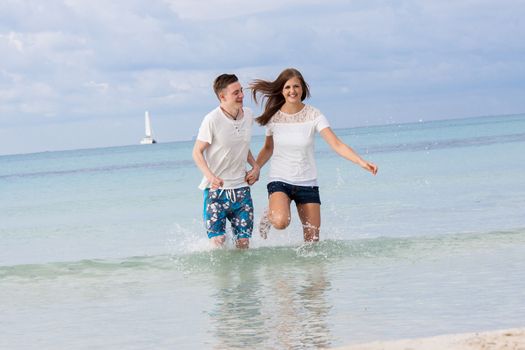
(221, 151)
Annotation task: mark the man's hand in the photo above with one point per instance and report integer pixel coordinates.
(216, 182)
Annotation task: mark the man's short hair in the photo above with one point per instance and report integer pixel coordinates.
(222, 81)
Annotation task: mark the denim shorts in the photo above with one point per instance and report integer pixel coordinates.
(233, 205)
(299, 194)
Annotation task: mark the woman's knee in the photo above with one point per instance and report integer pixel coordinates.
(279, 220)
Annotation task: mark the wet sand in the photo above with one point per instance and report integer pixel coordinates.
(510, 339)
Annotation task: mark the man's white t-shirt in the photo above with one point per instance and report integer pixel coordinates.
(229, 146)
(293, 158)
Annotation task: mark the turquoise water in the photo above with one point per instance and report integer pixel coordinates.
(105, 248)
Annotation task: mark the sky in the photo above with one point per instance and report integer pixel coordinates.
(81, 73)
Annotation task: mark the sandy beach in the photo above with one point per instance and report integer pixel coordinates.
(509, 339)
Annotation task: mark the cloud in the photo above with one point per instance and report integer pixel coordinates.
(80, 61)
(217, 10)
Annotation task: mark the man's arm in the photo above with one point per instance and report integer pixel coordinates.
(200, 161)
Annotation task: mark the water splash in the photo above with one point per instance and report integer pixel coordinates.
(353, 252)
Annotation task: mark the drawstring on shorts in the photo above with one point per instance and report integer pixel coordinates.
(230, 194)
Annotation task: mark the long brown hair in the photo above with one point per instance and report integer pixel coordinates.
(272, 93)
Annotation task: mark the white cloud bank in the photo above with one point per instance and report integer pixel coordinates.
(78, 73)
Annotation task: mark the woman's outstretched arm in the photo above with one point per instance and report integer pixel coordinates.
(346, 151)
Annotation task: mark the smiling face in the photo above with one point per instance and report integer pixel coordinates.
(232, 96)
(293, 91)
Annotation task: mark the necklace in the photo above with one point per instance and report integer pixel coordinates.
(228, 114)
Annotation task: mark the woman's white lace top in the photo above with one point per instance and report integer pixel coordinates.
(293, 138)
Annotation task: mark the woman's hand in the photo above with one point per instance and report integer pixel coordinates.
(252, 176)
(371, 167)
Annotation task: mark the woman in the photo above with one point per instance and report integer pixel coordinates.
(290, 131)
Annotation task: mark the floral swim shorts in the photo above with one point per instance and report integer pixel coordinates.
(233, 204)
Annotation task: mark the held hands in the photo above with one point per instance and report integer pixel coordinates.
(252, 176)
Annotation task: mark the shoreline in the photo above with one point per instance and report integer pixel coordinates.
(508, 339)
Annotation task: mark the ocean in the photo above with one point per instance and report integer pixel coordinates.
(105, 248)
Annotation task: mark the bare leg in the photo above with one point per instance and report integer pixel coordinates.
(242, 243)
(279, 210)
(218, 241)
(310, 215)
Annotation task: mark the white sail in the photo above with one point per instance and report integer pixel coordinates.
(148, 124)
(148, 139)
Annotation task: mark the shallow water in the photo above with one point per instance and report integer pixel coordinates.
(105, 248)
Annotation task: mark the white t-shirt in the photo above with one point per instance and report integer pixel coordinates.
(229, 146)
(293, 159)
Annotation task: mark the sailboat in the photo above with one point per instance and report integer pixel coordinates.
(148, 139)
